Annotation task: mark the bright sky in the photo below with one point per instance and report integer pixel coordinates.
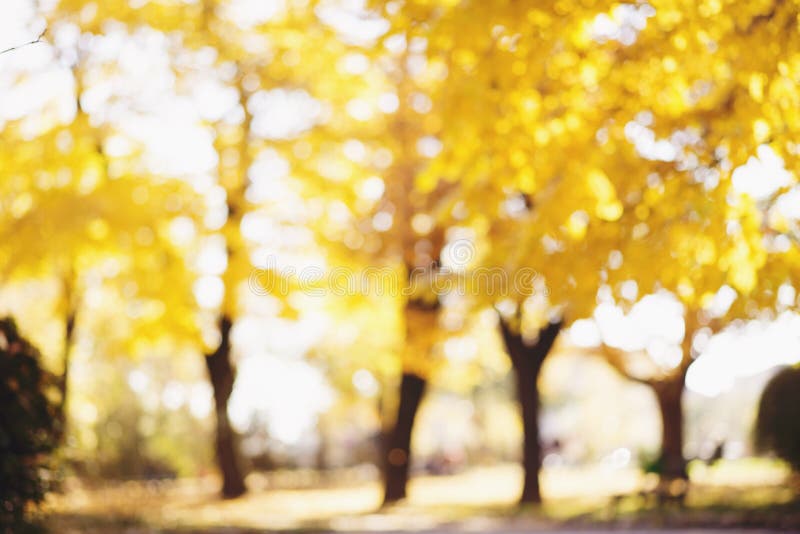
(655, 325)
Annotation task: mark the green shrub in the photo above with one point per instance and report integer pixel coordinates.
(28, 430)
(778, 423)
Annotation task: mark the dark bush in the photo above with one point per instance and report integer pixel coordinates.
(28, 430)
(778, 423)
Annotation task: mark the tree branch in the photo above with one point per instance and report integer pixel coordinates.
(37, 40)
(616, 359)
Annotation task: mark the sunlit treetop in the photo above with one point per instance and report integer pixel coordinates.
(596, 143)
(588, 118)
(725, 69)
(715, 81)
(71, 221)
(85, 201)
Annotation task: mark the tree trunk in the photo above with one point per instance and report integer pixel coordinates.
(222, 375)
(420, 317)
(528, 396)
(63, 380)
(527, 361)
(398, 448)
(669, 395)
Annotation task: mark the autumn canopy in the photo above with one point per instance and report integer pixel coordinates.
(402, 172)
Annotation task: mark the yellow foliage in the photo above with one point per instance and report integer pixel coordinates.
(573, 145)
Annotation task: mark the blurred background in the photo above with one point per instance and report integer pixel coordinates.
(370, 265)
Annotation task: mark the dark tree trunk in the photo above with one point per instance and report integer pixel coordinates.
(63, 380)
(528, 396)
(527, 361)
(398, 447)
(669, 394)
(222, 375)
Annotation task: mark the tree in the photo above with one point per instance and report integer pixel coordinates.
(372, 142)
(512, 94)
(527, 359)
(777, 421)
(28, 427)
(638, 157)
(65, 242)
(714, 131)
(241, 65)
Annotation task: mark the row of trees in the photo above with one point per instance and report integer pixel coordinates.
(597, 144)
(604, 155)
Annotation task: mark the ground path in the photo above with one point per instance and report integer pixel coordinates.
(476, 501)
